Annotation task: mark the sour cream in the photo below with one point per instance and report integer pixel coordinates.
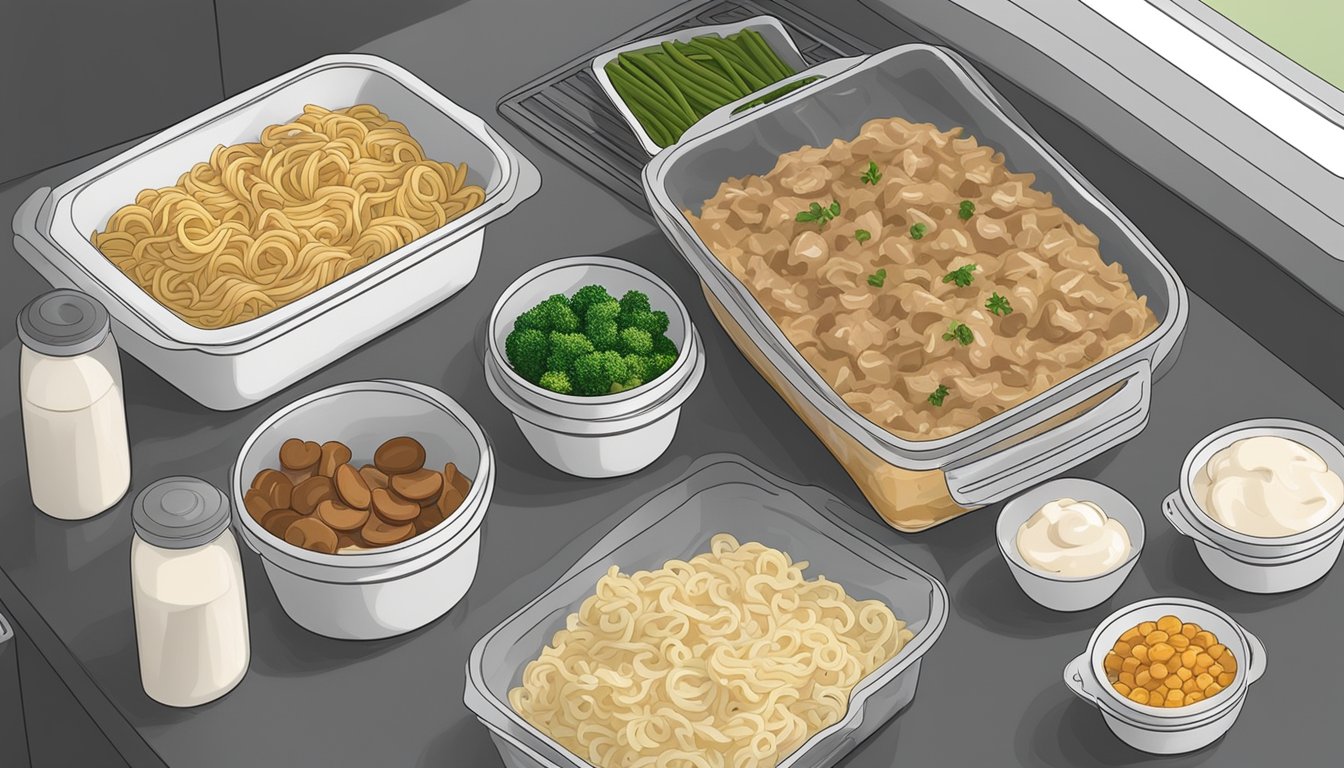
(1268, 486)
(1072, 538)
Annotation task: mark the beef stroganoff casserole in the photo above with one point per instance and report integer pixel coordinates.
(931, 287)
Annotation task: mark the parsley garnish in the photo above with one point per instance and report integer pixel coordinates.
(878, 278)
(966, 211)
(872, 175)
(938, 395)
(960, 333)
(918, 230)
(961, 275)
(999, 305)
(816, 213)
(862, 235)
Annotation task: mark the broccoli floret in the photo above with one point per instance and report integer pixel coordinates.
(664, 346)
(600, 325)
(633, 302)
(586, 297)
(596, 372)
(560, 317)
(604, 335)
(531, 319)
(553, 314)
(623, 386)
(638, 367)
(565, 349)
(526, 350)
(653, 322)
(602, 312)
(657, 364)
(636, 342)
(556, 381)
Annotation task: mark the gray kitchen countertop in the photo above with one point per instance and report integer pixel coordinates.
(990, 692)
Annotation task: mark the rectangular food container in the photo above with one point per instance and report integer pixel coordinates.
(771, 29)
(232, 367)
(719, 494)
(918, 484)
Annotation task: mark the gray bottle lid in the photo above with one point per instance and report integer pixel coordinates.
(63, 323)
(180, 513)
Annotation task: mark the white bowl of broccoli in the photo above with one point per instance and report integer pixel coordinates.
(594, 356)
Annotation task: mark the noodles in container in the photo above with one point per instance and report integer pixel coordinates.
(263, 223)
(732, 658)
(266, 236)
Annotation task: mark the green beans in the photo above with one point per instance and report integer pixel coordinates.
(670, 86)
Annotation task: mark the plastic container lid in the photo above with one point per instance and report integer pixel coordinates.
(63, 323)
(180, 513)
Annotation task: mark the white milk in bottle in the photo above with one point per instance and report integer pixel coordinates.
(74, 420)
(187, 591)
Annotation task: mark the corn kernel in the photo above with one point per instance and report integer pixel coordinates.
(1147, 626)
(1179, 642)
(1215, 648)
(1173, 682)
(1139, 696)
(1189, 657)
(1175, 698)
(1122, 689)
(1216, 669)
(1204, 660)
(1204, 681)
(1127, 678)
(1169, 624)
(1155, 637)
(1189, 687)
(1184, 674)
(1143, 677)
(1190, 630)
(1130, 635)
(1141, 653)
(1130, 664)
(1191, 698)
(1226, 679)
(1122, 648)
(1159, 671)
(1161, 652)
(1212, 691)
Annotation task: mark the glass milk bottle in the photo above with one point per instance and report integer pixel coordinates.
(74, 421)
(187, 591)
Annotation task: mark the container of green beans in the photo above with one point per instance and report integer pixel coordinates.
(664, 85)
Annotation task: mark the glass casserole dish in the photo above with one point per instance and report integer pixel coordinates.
(915, 484)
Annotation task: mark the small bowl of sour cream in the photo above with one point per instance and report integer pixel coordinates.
(1263, 501)
(1070, 543)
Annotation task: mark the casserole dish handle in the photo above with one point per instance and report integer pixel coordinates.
(724, 115)
(1075, 677)
(1173, 508)
(1255, 667)
(1006, 470)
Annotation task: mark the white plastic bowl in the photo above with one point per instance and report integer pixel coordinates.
(1259, 564)
(1157, 730)
(1069, 593)
(567, 276)
(600, 447)
(380, 592)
